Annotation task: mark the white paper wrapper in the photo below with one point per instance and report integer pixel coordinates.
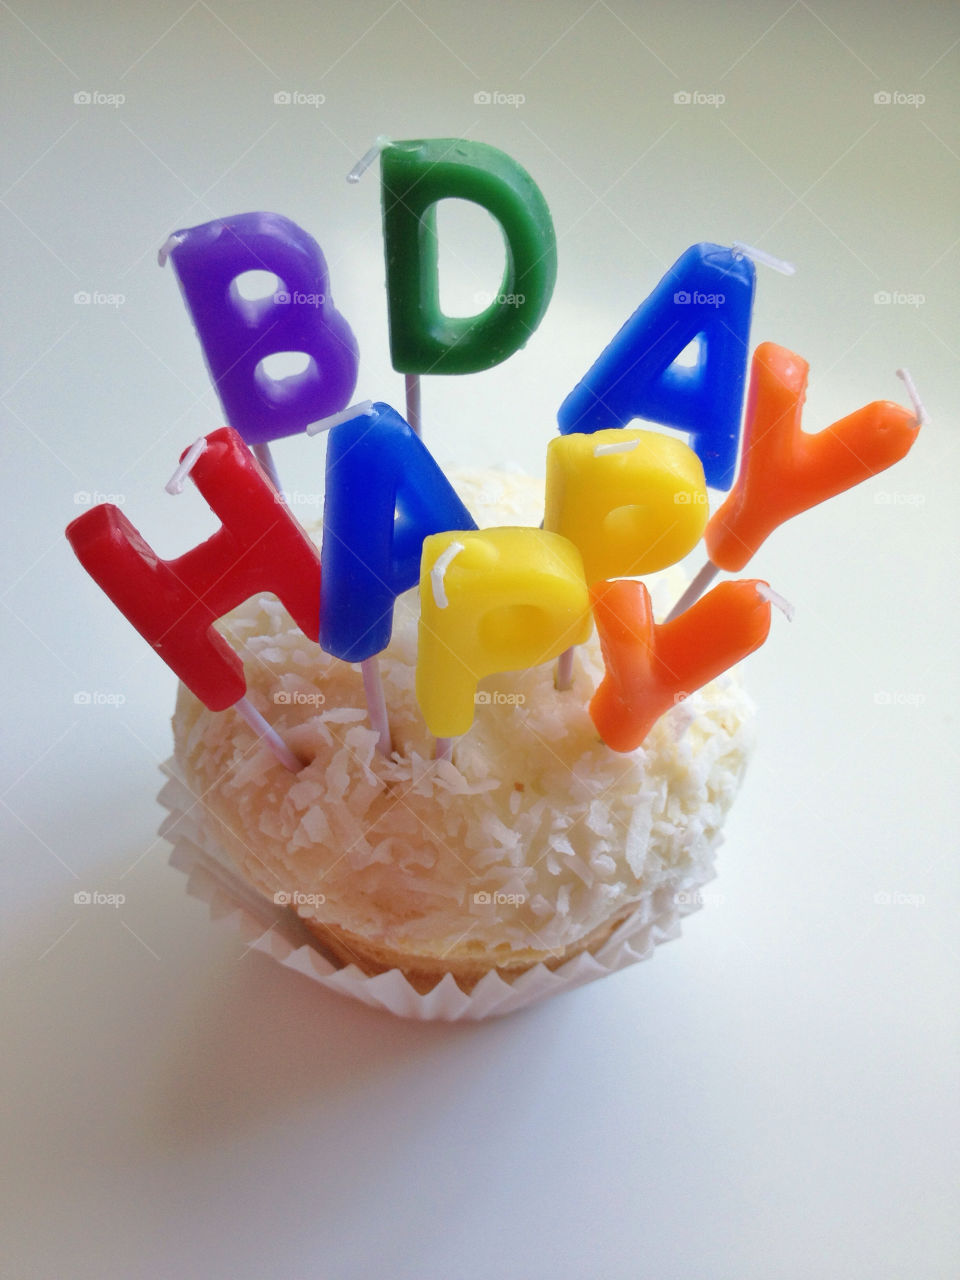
(277, 932)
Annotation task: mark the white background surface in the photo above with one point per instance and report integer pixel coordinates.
(774, 1095)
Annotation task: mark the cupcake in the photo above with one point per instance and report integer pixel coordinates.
(503, 838)
(534, 844)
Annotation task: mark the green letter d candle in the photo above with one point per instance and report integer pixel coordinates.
(415, 176)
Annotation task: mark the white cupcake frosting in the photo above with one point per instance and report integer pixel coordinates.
(533, 836)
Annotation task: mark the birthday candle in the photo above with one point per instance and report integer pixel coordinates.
(707, 295)
(237, 334)
(786, 470)
(649, 668)
(384, 495)
(415, 176)
(632, 502)
(495, 600)
(174, 603)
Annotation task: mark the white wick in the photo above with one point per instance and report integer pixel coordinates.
(168, 246)
(440, 567)
(760, 255)
(368, 157)
(777, 600)
(918, 407)
(619, 446)
(362, 409)
(176, 482)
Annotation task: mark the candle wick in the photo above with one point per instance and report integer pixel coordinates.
(168, 246)
(441, 566)
(918, 407)
(619, 446)
(777, 600)
(362, 409)
(176, 482)
(760, 255)
(367, 159)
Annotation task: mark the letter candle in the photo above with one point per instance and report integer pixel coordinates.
(415, 176)
(174, 603)
(786, 470)
(494, 600)
(237, 335)
(707, 295)
(384, 495)
(650, 668)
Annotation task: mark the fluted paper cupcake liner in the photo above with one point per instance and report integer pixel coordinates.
(278, 932)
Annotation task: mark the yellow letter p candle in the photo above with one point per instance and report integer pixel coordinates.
(494, 600)
(632, 501)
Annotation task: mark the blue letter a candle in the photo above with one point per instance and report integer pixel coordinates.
(384, 495)
(706, 294)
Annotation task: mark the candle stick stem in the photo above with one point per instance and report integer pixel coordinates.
(266, 733)
(695, 590)
(443, 749)
(411, 385)
(377, 704)
(263, 455)
(564, 675)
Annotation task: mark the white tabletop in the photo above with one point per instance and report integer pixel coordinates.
(776, 1093)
